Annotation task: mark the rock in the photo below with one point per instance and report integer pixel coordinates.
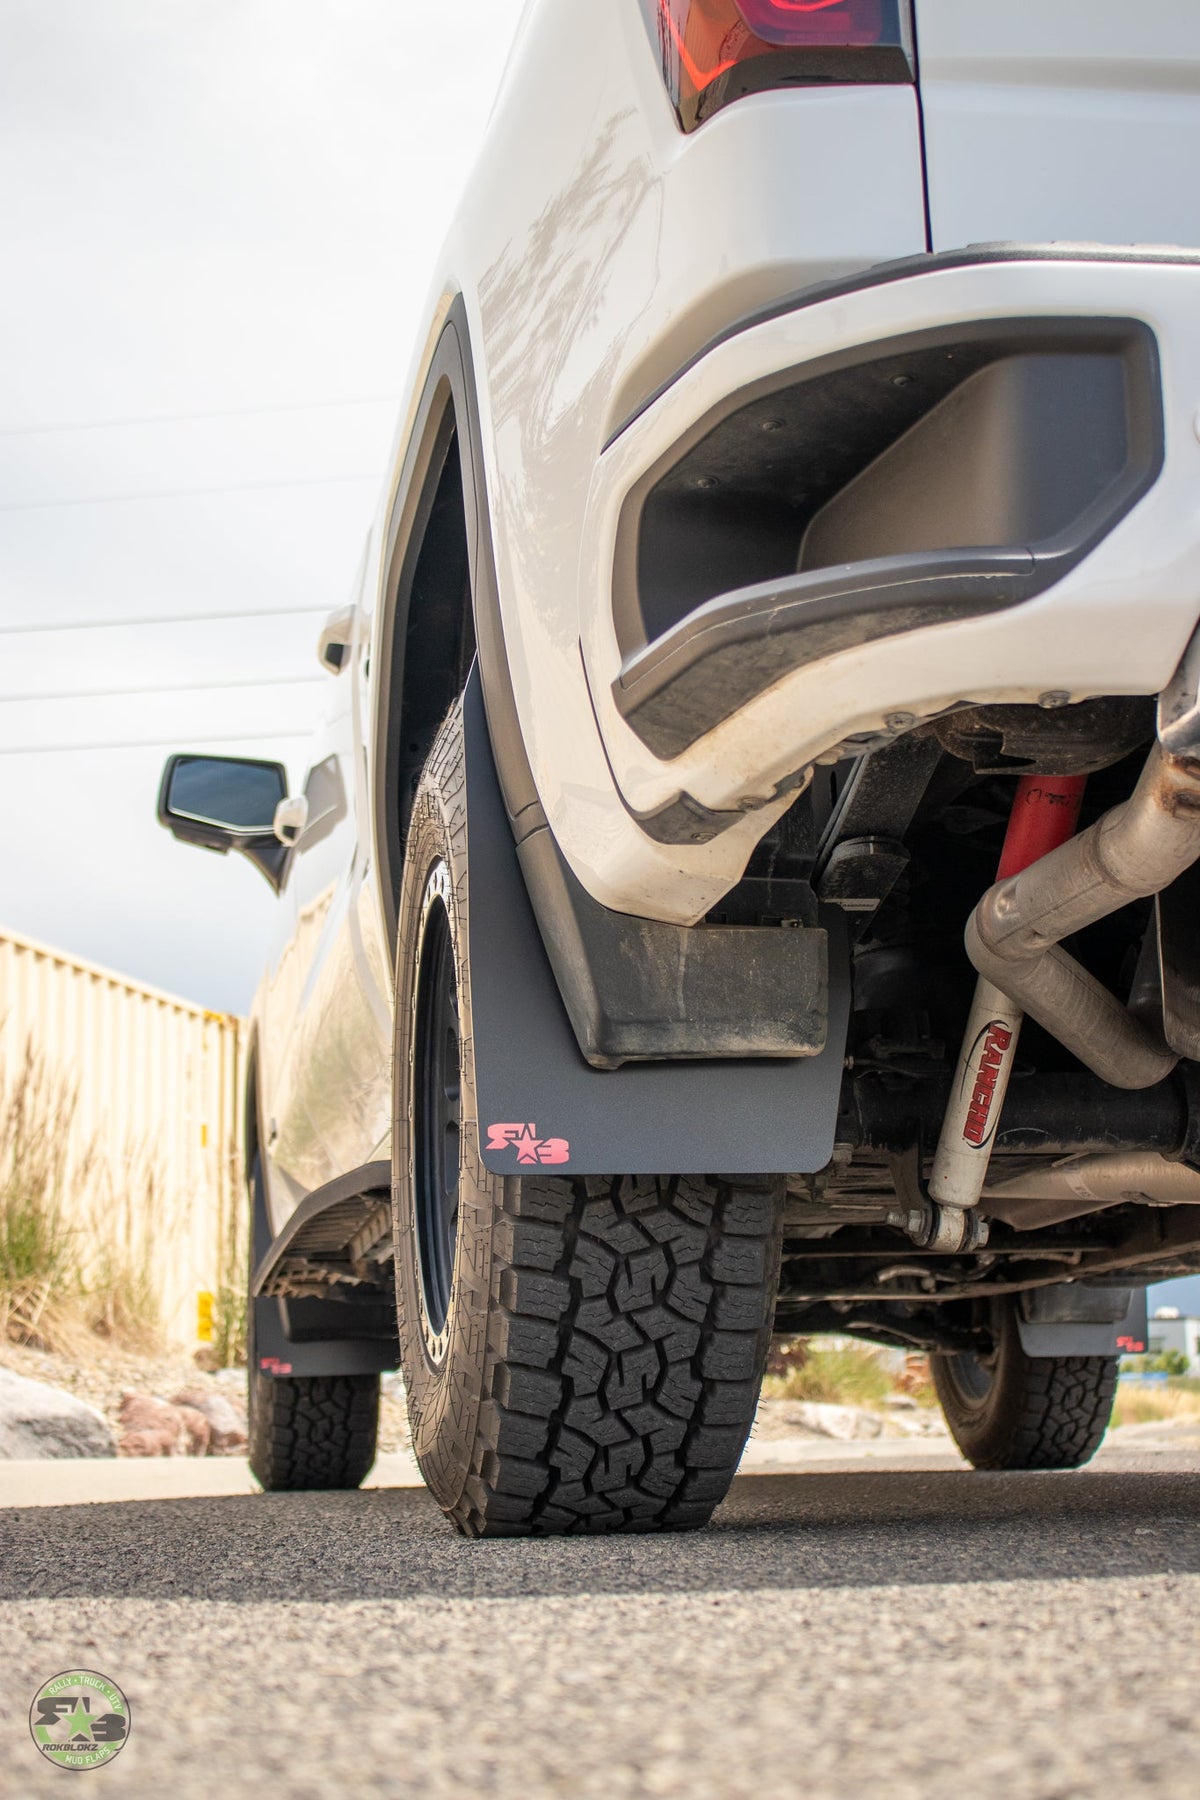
(227, 1425)
(40, 1422)
(151, 1427)
(143, 1443)
(198, 1429)
(824, 1420)
(778, 1419)
(197, 1422)
(927, 1421)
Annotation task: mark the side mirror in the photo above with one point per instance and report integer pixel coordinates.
(225, 803)
(291, 816)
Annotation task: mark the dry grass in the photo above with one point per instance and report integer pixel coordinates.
(229, 1313)
(77, 1244)
(917, 1382)
(1138, 1405)
(38, 1263)
(841, 1374)
(119, 1294)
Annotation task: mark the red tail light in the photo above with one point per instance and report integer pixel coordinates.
(714, 51)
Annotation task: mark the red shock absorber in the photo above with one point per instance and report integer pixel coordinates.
(1044, 815)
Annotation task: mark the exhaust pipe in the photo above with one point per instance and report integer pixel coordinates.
(1014, 939)
(1085, 1184)
(1014, 935)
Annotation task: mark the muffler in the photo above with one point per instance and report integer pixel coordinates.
(1084, 1184)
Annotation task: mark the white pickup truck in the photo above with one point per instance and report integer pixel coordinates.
(745, 879)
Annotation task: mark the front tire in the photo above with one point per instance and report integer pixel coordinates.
(580, 1355)
(1007, 1410)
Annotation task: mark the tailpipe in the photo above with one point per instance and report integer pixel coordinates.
(1014, 937)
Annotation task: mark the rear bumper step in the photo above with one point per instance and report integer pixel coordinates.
(735, 647)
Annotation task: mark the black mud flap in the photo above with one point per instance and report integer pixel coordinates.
(1079, 1320)
(541, 1104)
(315, 1336)
(315, 1348)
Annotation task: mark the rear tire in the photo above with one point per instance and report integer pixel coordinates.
(1007, 1410)
(580, 1355)
(307, 1431)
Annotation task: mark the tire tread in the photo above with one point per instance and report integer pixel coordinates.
(1045, 1412)
(314, 1431)
(607, 1336)
(635, 1417)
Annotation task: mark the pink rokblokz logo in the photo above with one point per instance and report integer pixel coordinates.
(530, 1148)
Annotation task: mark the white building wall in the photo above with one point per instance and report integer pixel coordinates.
(1177, 1334)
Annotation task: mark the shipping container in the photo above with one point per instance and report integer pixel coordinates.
(146, 1087)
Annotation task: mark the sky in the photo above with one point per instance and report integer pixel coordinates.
(219, 220)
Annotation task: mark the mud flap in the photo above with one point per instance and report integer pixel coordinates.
(541, 1104)
(278, 1354)
(317, 1337)
(1075, 1320)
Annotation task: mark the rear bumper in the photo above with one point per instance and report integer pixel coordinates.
(1030, 554)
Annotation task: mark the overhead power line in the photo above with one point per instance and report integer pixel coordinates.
(271, 612)
(235, 487)
(172, 743)
(183, 418)
(184, 687)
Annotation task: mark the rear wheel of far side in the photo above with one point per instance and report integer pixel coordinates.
(307, 1431)
(580, 1355)
(1007, 1410)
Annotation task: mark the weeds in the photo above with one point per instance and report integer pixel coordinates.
(844, 1374)
(229, 1311)
(37, 1261)
(77, 1247)
(1137, 1405)
(1163, 1362)
(119, 1297)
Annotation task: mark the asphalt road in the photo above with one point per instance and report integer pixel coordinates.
(899, 1633)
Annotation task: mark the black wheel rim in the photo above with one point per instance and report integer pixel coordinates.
(437, 1108)
(972, 1376)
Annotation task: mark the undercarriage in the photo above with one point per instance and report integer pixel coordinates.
(1085, 1190)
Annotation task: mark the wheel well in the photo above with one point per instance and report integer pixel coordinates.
(440, 607)
(251, 1128)
(429, 636)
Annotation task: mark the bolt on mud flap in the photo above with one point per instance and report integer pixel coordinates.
(316, 1337)
(540, 1104)
(1077, 1319)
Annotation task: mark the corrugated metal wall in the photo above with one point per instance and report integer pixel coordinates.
(155, 1121)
